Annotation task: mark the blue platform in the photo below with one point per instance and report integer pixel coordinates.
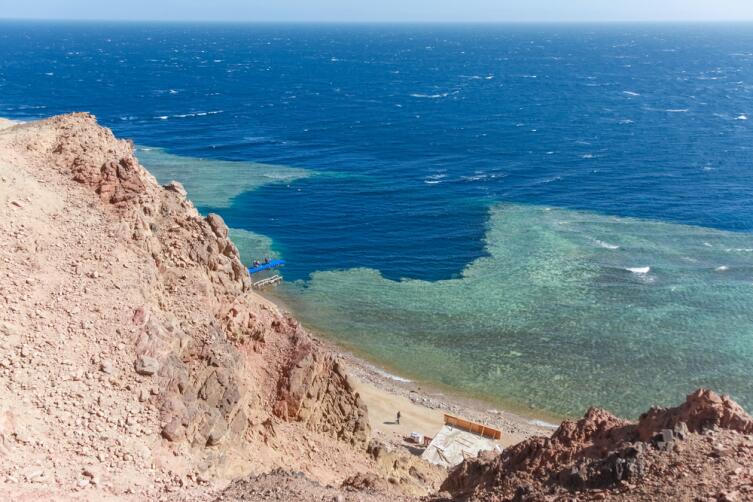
(267, 266)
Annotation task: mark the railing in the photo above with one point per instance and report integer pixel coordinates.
(467, 425)
(269, 281)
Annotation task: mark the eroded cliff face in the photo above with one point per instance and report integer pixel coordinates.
(236, 385)
(205, 307)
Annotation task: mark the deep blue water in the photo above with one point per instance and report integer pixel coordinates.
(414, 137)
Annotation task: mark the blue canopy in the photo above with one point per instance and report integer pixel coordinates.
(267, 266)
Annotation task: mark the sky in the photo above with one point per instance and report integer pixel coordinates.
(383, 10)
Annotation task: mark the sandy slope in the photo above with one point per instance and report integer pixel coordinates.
(66, 290)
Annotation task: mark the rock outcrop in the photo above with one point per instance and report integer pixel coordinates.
(701, 411)
(603, 457)
(315, 390)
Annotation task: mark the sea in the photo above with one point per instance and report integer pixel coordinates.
(546, 217)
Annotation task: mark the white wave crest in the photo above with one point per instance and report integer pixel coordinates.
(639, 270)
(430, 96)
(606, 245)
(197, 114)
(385, 374)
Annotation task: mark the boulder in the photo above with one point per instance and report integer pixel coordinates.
(146, 365)
(217, 225)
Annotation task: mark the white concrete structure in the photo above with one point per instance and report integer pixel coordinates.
(452, 445)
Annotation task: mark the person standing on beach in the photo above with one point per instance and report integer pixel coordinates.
(398, 418)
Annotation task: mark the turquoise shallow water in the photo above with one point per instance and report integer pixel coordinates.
(569, 309)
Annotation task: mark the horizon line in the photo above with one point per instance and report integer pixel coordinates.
(383, 22)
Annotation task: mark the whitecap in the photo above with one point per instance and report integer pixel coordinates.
(430, 96)
(162, 117)
(639, 270)
(606, 245)
(547, 180)
(742, 117)
(722, 268)
(475, 177)
(196, 114)
(434, 179)
(257, 139)
(630, 93)
(677, 110)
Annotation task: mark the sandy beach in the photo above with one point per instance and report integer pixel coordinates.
(422, 408)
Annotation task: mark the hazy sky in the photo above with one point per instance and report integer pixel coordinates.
(383, 10)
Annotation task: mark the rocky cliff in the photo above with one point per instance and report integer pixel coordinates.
(127, 283)
(205, 389)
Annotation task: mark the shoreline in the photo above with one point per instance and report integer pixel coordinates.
(424, 403)
(378, 384)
